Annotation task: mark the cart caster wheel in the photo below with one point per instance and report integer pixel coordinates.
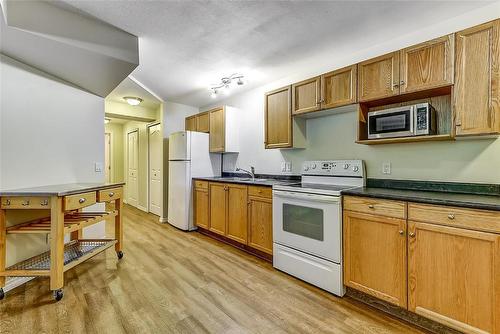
(58, 294)
(119, 254)
(2, 294)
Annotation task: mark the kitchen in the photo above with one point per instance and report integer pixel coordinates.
(361, 190)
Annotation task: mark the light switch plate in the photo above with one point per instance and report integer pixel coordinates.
(98, 167)
(386, 168)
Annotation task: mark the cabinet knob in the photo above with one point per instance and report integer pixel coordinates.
(44, 202)
(111, 194)
(7, 202)
(395, 85)
(402, 82)
(402, 232)
(25, 203)
(412, 234)
(451, 216)
(81, 200)
(371, 206)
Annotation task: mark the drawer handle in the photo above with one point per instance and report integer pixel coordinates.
(111, 194)
(451, 216)
(7, 202)
(412, 234)
(371, 206)
(44, 202)
(25, 203)
(82, 200)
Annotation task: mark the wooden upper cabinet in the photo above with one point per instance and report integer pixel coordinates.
(477, 80)
(306, 96)
(378, 77)
(217, 130)
(427, 65)
(278, 118)
(375, 256)
(237, 212)
(203, 122)
(218, 206)
(454, 277)
(339, 87)
(190, 123)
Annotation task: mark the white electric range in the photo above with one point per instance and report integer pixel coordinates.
(307, 222)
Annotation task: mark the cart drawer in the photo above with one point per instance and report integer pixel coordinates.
(389, 208)
(201, 184)
(481, 220)
(79, 201)
(107, 195)
(259, 191)
(25, 202)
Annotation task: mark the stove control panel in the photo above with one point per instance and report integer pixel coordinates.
(346, 168)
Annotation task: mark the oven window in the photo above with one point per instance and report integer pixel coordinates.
(303, 221)
(394, 122)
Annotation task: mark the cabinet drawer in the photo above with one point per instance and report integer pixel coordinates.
(266, 192)
(396, 209)
(201, 184)
(481, 220)
(79, 201)
(25, 203)
(107, 195)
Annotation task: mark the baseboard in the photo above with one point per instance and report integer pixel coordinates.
(163, 220)
(13, 282)
(142, 208)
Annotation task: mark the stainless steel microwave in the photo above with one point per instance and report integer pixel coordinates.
(413, 120)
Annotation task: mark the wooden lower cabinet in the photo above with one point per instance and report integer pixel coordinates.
(375, 256)
(218, 207)
(201, 208)
(260, 223)
(237, 211)
(454, 276)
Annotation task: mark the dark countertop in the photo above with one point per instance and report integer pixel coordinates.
(264, 182)
(486, 202)
(60, 189)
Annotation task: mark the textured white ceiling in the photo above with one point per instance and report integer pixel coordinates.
(187, 45)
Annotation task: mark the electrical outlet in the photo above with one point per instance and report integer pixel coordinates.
(283, 166)
(98, 167)
(288, 166)
(386, 168)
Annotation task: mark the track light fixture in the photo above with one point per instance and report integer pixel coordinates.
(225, 84)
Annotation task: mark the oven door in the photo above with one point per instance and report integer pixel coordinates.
(308, 222)
(395, 122)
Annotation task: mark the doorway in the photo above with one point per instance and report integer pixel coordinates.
(155, 162)
(133, 167)
(107, 156)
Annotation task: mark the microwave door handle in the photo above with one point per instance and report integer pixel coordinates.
(413, 120)
(308, 197)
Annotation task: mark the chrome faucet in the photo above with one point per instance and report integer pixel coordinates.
(250, 172)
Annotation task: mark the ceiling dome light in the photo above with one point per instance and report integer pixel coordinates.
(133, 101)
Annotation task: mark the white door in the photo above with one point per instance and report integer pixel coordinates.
(132, 168)
(107, 156)
(155, 169)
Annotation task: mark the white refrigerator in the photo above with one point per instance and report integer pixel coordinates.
(188, 157)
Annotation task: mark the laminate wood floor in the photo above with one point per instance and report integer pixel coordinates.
(171, 281)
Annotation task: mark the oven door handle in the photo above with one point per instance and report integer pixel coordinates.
(307, 197)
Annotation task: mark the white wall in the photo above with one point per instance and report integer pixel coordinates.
(50, 133)
(333, 137)
(173, 120)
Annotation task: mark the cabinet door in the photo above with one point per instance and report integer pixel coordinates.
(218, 205)
(306, 96)
(477, 80)
(260, 220)
(203, 122)
(217, 130)
(278, 118)
(237, 213)
(454, 276)
(427, 65)
(378, 77)
(338, 88)
(190, 123)
(201, 208)
(375, 256)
